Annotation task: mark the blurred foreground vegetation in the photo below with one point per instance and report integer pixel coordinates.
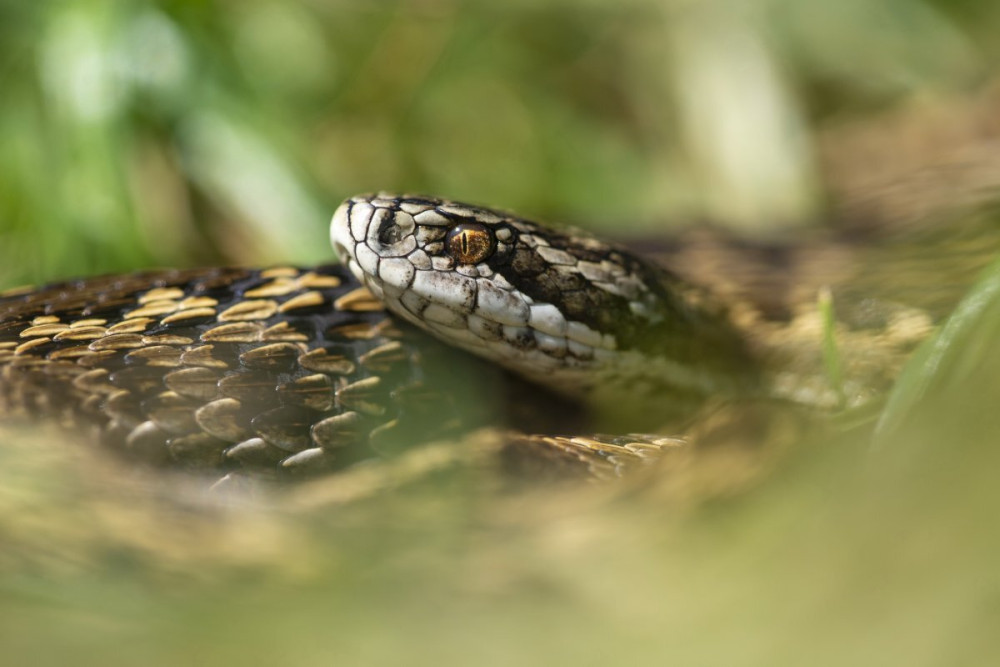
(190, 132)
(854, 549)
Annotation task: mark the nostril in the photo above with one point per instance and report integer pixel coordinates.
(390, 233)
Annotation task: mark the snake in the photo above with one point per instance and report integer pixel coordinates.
(439, 314)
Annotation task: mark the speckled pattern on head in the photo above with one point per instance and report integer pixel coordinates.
(559, 307)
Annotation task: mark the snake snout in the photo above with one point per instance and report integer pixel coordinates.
(376, 237)
(367, 228)
(340, 232)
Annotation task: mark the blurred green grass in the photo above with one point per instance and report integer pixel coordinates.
(183, 132)
(190, 132)
(847, 554)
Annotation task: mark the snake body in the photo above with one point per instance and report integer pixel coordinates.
(214, 367)
(288, 369)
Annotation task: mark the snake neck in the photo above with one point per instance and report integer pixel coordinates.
(830, 318)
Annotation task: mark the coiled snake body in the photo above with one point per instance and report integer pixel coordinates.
(289, 369)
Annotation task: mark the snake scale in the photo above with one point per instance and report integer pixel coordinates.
(283, 371)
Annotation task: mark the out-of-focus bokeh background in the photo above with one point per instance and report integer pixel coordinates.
(136, 133)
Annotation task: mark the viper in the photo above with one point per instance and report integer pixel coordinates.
(445, 316)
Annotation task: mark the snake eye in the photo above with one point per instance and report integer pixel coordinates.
(469, 243)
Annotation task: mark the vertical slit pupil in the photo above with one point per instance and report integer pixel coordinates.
(469, 243)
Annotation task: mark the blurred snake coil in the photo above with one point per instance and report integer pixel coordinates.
(285, 371)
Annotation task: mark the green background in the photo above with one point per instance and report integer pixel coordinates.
(137, 134)
(188, 132)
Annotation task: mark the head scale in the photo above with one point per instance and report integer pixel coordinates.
(559, 307)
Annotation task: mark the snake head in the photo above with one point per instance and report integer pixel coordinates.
(558, 306)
